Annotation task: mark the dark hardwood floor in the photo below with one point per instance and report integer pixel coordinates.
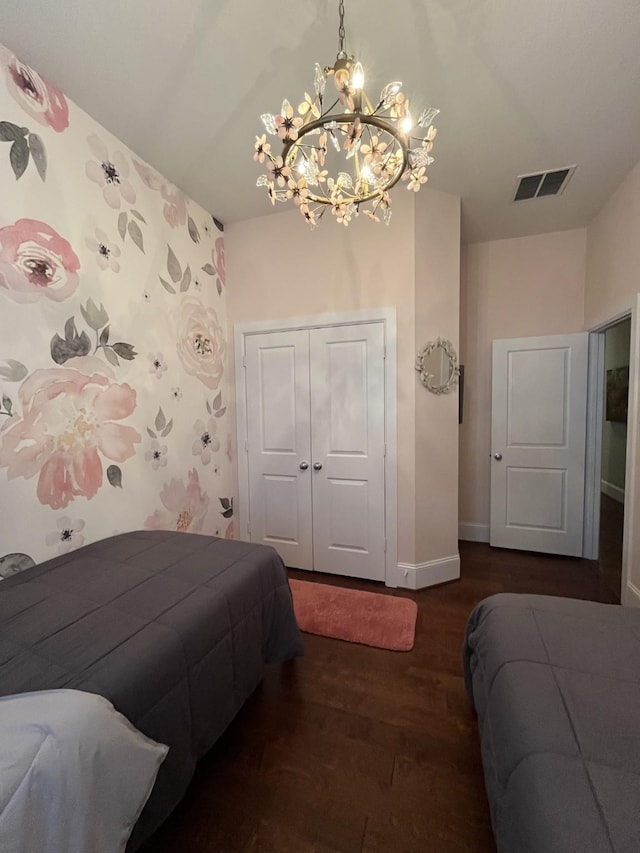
(359, 750)
(611, 528)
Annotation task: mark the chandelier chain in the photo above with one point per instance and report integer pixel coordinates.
(341, 32)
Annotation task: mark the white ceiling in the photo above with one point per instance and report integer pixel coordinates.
(523, 86)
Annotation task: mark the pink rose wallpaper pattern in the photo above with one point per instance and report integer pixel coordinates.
(38, 98)
(175, 202)
(113, 339)
(70, 422)
(36, 262)
(201, 345)
(184, 506)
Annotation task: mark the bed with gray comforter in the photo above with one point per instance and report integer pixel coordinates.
(172, 628)
(556, 686)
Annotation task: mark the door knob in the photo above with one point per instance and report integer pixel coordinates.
(317, 466)
(497, 456)
(304, 466)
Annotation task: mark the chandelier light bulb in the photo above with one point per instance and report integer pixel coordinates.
(342, 150)
(357, 76)
(407, 123)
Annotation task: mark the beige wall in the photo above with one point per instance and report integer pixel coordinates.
(613, 280)
(278, 268)
(437, 312)
(509, 288)
(613, 254)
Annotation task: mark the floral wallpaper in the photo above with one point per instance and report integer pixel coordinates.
(113, 339)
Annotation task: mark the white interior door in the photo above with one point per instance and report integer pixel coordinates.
(538, 428)
(348, 447)
(279, 444)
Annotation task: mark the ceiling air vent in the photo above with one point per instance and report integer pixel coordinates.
(542, 183)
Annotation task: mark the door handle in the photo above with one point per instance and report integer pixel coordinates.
(304, 466)
(497, 456)
(317, 466)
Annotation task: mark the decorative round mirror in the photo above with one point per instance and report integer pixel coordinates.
(437, 365)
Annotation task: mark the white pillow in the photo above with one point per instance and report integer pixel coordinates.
(74, 773)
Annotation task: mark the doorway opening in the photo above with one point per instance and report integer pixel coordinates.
(617, 340)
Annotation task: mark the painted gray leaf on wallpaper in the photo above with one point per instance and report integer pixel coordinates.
(160, 421)
(166, 285)
(227, 507)
(74, 345)
(163, 426)
(173, 267)
(38, 154)
(12, 564)
(216, 409)
(193, 230)
(114, 476)
(186, 280)
(128, 226)
(7, 404)
(9, 132)
(211, 270)
(19, 156)
(23, 143)
(122, 224)
(94, 317)
(112, 351)
(125, 351)
(15, 371)
(136, 234)
(111, 357)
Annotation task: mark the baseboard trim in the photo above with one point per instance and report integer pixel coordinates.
(612, 491)
(421, 575)
(633, 595)
(469, 531)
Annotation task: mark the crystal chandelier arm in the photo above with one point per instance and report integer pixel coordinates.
(368, 129)
(328, 110)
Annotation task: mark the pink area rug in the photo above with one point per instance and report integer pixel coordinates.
(369, 618)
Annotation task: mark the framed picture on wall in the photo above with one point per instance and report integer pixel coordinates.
(617, 394)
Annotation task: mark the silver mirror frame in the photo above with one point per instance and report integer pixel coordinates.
(427, 378)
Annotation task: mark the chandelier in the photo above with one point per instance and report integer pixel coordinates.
(342, 152)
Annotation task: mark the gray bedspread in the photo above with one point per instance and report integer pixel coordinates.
(172, 628)
(556, 686)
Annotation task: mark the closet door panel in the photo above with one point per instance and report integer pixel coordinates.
(347, 434)
(278, 407)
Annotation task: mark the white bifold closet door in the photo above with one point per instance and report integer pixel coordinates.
(316, 445)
